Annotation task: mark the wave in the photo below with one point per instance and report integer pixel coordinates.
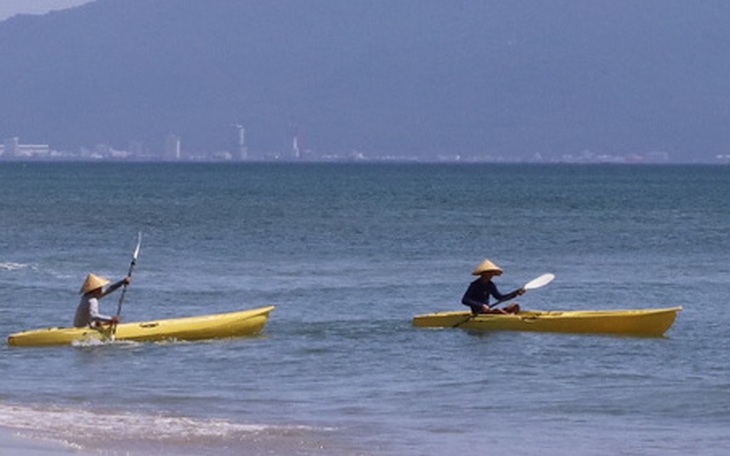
(86, 427)
(12, 266)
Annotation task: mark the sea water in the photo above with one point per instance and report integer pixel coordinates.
(348, 254)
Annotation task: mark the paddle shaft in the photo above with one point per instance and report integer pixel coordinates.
(474, 315)
(132, 264)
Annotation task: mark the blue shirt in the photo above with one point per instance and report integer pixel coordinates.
(478, 294)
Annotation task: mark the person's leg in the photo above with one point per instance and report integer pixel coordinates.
(512, 308)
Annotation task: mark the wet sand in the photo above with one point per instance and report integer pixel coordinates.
(14, 443)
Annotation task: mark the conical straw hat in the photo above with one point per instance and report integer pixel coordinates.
(93, 282)
(487, 266)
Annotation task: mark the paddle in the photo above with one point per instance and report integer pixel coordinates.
(132, 264)
(537, 282)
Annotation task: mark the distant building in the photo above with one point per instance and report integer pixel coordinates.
(172, 148)
(241, 148)
(12, 146)
(13, 149)
(295, 148)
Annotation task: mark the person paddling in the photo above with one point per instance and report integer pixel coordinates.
(477, 295)
(94, 288)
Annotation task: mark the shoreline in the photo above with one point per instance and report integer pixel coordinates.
(13, 442)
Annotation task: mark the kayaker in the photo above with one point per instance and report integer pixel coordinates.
(477, 295)
(94, 288)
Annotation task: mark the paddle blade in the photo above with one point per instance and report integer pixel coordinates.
(135, 255)
(539, 282)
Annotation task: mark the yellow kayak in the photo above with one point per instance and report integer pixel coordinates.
(638, 322)
(231, 324)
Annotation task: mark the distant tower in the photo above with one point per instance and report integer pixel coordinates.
(172, 148)
(297, 144)
(241, 142)
(295, 148)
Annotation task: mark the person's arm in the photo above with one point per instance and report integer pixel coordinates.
(115, 286)
(504, 297)
(94, 314)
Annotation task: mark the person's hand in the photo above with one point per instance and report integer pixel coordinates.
(521, 291)
(127, 280)
(115, 319)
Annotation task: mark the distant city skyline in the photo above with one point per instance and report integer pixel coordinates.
(480, 80)
(9, 8)
(13, 149)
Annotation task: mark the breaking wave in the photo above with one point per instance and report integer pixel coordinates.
(85, 428)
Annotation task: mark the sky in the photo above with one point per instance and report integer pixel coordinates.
(528, 77)
(10, 8)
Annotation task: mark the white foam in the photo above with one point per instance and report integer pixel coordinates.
(82, 425)
(11, 266)
(101, 342)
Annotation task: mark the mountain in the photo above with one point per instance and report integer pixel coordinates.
(420, 77)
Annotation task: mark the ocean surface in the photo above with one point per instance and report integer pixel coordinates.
(348, 254)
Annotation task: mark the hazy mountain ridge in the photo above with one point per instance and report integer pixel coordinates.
(427, 76)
